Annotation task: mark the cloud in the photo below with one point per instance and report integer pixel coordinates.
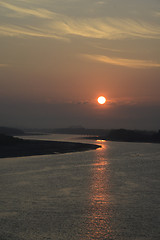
(40, 12)
(106, 28)
(29, 31)
(131, 63)
(62, 26)
(81, 103)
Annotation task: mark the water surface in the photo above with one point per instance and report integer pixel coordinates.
(108, 193)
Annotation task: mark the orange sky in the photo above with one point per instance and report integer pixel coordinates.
(65, 53)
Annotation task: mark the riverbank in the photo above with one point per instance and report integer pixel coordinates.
(17, 147)
(124, 135)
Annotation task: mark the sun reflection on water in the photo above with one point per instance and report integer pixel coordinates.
(99, 213)
(103, 146)
(100, 140)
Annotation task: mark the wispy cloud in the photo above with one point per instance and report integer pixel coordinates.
(106, 28)
(62, 26)
(131, 63)
(29, 31)
(40, 12)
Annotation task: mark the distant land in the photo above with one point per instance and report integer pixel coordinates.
(124, 135)
(69, 130)
(11, 131)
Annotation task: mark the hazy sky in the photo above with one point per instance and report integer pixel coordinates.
(58, 56)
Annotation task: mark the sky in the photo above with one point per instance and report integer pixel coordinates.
(58, 56)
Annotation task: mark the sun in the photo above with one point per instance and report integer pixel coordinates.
(101, 100)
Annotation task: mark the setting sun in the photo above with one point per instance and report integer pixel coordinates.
(101, 100)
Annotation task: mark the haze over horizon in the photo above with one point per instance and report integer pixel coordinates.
(58, 56)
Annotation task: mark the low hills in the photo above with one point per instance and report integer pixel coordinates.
(11, 131)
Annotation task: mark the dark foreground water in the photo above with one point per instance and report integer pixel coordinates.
(108, 193)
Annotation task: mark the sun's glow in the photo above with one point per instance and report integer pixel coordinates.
(101, 100)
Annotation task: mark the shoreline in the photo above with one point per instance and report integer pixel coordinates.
(23, 148)
(125, 141)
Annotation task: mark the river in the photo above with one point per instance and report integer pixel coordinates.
(108, 193)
